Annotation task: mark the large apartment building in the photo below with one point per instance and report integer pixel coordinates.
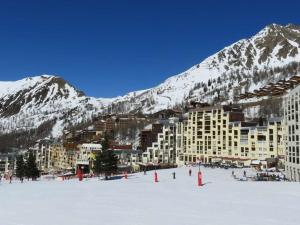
(42, 153)
(292, 123)
(163, 150)
(8, 161)
(219, 133)
(62, 158)
(210, 134)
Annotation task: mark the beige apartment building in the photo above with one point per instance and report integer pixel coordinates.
(61, 158)
(219, 133)
(53, 155)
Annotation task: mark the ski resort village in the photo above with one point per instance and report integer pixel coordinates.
(217, 144)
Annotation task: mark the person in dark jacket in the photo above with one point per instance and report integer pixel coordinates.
(174, 175)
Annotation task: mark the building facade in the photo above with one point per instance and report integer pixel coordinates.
(86, 155)
(217, 134)
(163, 150)
(8, 162)
(62, 158)
(291, 120)
(42, 153)
(148, 136)
(220, 134)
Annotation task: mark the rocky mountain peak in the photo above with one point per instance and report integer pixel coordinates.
(275, 46)
(243, 66)
(30, 102)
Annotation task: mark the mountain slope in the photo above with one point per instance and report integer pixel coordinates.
(28, 103)
(273, 47)
(243, 66)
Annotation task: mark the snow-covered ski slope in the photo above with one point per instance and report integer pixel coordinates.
(140, 201)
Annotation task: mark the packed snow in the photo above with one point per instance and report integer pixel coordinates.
(12, 87)
(139, 201)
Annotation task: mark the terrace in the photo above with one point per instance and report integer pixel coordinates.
(273, 89)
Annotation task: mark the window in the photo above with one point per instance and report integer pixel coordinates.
(261, 138)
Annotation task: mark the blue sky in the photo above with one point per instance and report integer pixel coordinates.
(108, 48)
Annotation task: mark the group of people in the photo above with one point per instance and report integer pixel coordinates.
(173, 174)
(7, 177)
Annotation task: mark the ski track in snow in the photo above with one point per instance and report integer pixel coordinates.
(140, 201)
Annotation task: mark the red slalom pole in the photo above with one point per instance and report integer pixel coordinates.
(155, 177)
(80, 174)
(199, 178)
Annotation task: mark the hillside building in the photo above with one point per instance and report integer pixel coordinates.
(217, 134)
(148, 136)
(86, 155)
(7, 162)
(42, 153)
(220, 134)
(62, 158)
(163, 150)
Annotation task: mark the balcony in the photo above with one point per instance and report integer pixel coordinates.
(82, 162)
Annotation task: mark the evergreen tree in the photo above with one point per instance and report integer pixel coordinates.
(98, 164)
(110, 162)
(20, 170)
(105, 143)
(31, 170)
(106, 161)
(209, 83)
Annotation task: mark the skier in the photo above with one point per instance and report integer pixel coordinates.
(155, 177)
(232, 173)
(174, 175)
(245, 173)
(190, 172)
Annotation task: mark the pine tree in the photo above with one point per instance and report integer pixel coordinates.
(31, 168)
(209, 83)
(20, 170)
(106, 161)
(110, 162)
(98, 164)
(105, 143)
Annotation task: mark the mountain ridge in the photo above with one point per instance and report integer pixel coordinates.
(245, 56)
(240, 67)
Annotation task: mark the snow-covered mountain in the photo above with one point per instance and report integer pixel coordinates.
(275, 46)
(30, 102)
(243, 66)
